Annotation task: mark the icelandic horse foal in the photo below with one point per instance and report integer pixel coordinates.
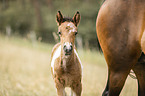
(65, 64)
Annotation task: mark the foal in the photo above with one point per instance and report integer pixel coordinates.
(65, 64)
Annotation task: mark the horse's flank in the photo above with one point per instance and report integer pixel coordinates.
(120, 29)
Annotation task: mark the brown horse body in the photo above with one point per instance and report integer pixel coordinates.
(120, 29)
(65, 63)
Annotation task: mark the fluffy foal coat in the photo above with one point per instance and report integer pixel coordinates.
(65, 64)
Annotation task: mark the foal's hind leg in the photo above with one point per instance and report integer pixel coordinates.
(139, 70)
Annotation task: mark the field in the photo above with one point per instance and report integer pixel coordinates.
(25, 70)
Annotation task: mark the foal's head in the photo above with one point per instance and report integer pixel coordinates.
(67, 30)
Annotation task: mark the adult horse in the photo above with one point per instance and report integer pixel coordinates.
(120, 29)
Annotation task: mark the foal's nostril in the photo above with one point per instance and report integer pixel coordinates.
(64, 48)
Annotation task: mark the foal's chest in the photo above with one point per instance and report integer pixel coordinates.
(67, 78)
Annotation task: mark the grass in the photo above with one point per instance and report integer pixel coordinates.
(25, 70)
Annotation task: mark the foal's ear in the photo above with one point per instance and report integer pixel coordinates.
(59, 18)
(76, 18)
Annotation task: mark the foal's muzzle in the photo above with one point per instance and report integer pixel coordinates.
(67, 48)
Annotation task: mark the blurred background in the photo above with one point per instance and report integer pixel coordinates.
(28, 32)
(37, 19)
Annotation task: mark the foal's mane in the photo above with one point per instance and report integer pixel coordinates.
(68, 19)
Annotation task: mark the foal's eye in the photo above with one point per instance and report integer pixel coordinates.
(76, 33)
(59, 33)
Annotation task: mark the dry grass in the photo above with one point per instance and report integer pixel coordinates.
(25, 70)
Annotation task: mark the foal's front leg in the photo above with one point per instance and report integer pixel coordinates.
(77, 88)
(61, 92)
(59, 83)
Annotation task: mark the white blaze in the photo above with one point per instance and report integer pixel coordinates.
(72, 27)
(67, 44)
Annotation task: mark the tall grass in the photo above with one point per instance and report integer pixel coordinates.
(25, 70)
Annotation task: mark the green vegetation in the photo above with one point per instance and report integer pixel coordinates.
(25, 70)
(21, 17)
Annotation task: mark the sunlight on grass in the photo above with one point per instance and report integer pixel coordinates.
(25, 70)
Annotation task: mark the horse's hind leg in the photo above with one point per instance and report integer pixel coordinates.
(139, 70)
(116, 81)
(106, 91)
(118, 72)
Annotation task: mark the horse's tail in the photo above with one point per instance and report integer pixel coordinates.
(98, 46)
(143, 42)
